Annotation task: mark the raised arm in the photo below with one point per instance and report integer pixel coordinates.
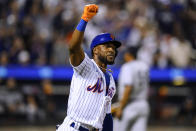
(76, 53)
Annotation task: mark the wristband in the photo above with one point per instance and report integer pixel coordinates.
(82, 25)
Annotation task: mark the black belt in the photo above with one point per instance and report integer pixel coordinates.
(81, 128)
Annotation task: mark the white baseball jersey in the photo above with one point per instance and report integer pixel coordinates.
(134, 73)
(87, 102)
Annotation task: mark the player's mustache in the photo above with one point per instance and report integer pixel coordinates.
(111, 54)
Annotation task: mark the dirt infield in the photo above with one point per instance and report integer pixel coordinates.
(51, 128)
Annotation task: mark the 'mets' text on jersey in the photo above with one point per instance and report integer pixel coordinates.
(88, 102)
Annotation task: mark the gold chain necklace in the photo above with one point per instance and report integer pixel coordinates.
(106, 69)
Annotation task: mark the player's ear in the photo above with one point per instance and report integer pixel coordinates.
(95, 50)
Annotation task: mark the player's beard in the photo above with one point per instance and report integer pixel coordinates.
(106, 60)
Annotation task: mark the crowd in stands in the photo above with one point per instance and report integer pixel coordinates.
(27, 103)
(37, 32)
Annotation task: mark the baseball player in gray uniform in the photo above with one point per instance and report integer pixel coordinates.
(133, 108)
(92, 86)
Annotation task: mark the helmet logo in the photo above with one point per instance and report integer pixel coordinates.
(112, 36)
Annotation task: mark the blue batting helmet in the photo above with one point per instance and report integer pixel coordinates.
(104, 38)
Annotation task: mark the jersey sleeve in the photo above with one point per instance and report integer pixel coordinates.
(85, 66)
(126, 75)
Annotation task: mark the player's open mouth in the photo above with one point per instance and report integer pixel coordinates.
(110, 55)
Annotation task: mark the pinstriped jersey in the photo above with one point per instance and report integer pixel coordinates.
(88, 102)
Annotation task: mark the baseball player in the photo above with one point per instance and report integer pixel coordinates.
(133, 108)
(92, 86)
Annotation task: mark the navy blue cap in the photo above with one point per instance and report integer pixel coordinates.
(104, 38)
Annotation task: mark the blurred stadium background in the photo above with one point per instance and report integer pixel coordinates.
(34, 67)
